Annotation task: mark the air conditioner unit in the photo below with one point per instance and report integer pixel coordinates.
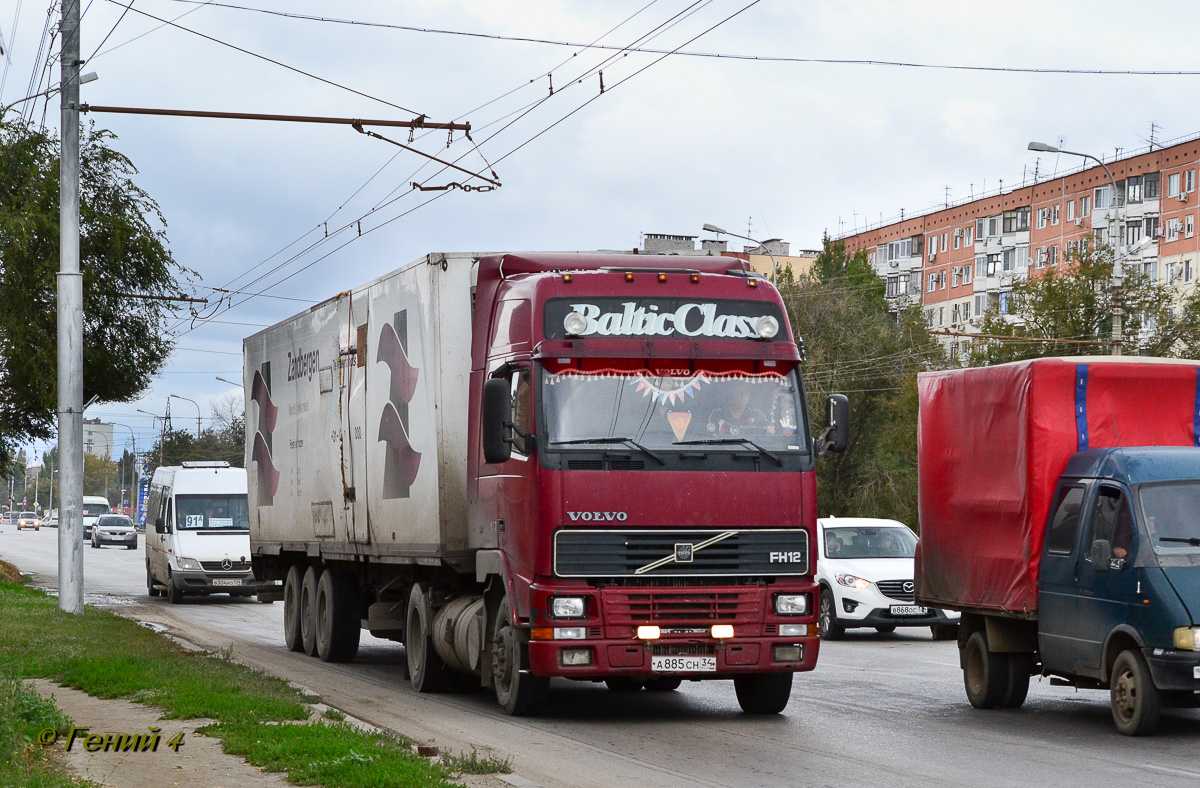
(1159, 232)
(1183, 196)
(932, 255)
(1079, 222)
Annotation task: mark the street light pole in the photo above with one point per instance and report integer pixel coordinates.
(1118, 276)
(185, 399)
(714, 229)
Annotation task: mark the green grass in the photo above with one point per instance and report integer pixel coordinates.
(473, 763)
(23, 714)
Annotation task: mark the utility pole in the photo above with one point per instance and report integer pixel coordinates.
(70, 327)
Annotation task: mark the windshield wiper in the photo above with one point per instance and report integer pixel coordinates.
(1194, 541)
(630, 441)
(729, 441)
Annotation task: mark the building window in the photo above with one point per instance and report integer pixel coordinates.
(979, 304)
(1150, 226)
(954, 350)
(993, 264)
(929, 318)
(1103, 197)
(1190, 180)
(1072, 250)
(915, 282)
(980, 229)
(1172, 273)
(893, 286)
(1042, 256)
(954, 315)
(966, 274)
(1187, 270)
(1022, 261)
(1133, 233)
(945, 247)
(932, 282)
(1172, 230)
(955, 278)
(981, 266)
(957, 239)
(1070, 210)
(1005, 296)
(941, 315)
(1173, 185)
(1133, 188)
(871, 259)
(942, 280)
(1189, 226)
(1054, 254)
(1150, 269)
(1010, 258)
(1085, 243)
(1054, 215)
(966, 311)
(1042, 217)
(993, 226)
(1085, 207)
(1151, 186)
(969, 232)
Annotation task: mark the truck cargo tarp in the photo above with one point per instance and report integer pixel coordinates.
(992, 443)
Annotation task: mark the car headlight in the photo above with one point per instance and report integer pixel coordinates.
(188, 563)
(1188, 638)
(567, 607)
(852, 581)
(791, 605)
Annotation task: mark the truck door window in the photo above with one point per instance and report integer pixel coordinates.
(1061, 536)
(1112, 520)
(522, 405)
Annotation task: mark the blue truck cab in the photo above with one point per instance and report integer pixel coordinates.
(1119, 581)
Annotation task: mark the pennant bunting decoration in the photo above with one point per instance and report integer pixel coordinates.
(674, 396)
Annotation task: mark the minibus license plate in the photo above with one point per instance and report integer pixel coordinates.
(665, 664)
(909, 610)
(237, 581)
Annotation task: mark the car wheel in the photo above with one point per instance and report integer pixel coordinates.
(174, 592)
(763, 693)
(1135, 700)
(830, 628)
(150, 589)
(885, 630)
(985, 675)
(131, 546)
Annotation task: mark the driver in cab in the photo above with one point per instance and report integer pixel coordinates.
(738, 415)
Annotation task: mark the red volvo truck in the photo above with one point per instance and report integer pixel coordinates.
(1058, 502)
(526, 466)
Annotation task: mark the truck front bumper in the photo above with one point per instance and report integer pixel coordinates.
(1174, 669)
(633, 658)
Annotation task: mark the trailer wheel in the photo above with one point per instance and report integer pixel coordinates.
(337, 619)
(426, 669)
(519, 692)
(830, 628)
(1018, 668)
(984, 673)
(150, 589)
(291, 607)
(763, 693)
(1135, 700)
(308, 608)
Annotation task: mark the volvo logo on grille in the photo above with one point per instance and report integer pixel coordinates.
(909, 586)
(683, 553)
(226, 564)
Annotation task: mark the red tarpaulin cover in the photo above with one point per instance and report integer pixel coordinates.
(991, 444)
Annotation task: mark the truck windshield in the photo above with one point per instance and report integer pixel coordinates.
(1170, 514)
(95, 509)
(720, 412)
(212, 512)
(870, 543)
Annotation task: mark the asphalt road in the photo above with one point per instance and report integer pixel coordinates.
(880, 710)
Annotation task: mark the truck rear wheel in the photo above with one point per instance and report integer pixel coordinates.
(984, 673)
(337, 619)
(308, 599)
(519, 692)
(763, 693)
(827, 615)
(426, 669)
(291, 607)
(1135, 700)
(1018, 667)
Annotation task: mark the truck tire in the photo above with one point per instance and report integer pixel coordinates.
(1136, 702)
(291, 607)
(174, 592)
(1018, 667)
(426, 669)
(338, 622)
(519, 692)
(150, 589)
(985, 674)
(827, 617)
(624, 684)
(308, 606)
(663, 684)
(763, 693)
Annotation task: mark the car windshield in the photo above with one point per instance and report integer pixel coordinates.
(670, 410)
(862, 542)
(1170, 514)
(115, 522)
(212, 512)
(28, 516)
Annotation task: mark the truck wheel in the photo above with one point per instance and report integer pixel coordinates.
(624, 684)
(174, 592)
(984, 673)
(308, 606)
(291, 607)
(663, 684)
(150, 589)
(426, 669)
(337, 616)
(1018, 668)
(944, 631)
(830, 628)
(763, 693)
(519, 692)
(1135, 699)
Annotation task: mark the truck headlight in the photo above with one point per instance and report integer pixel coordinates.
(852, 581)
(189, 563)
(567, 607)
(1187, 638)
(791, 605)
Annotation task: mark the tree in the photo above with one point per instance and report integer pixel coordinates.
(856, 347)
(224, 440)
(1076, 303)
(127, 271)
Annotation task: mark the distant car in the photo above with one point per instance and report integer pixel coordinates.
(28, 520)
(6, 518)
(114, 529)
(865, 571)
(50, 521)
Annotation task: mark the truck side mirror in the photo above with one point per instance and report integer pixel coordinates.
(497, 408)
(1101, 554)
(159, 526)
(836, 436)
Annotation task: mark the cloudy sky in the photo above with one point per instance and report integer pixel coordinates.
(781, 145)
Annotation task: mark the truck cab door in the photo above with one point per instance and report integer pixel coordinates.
(1107, 589)
(508, 488)
(1057, 579)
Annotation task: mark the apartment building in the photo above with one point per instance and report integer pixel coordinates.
(959, 260)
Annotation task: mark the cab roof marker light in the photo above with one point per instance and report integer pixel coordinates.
(695, 278)
(629, 276)
(567, 278)
(752, 282)
(662, 277)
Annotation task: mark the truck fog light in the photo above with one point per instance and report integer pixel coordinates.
(574, 324)
(791, 604)
(1188, 638)
(570, 633)
(768, 327)
(567, 607)
(787, 653)
(793, 630)
(649, 633)
(575, 657)
(722, 630)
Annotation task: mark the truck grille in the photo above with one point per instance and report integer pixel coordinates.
(215, 566)
(629, 607)
(582, 552)
(896, 589)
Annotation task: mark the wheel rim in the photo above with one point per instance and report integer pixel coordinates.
(1125, 695)
(826, 613)
(504, 666)
(416, 643)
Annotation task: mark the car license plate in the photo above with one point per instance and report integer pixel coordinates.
(228, 582)
(663, 664)
(909, 610)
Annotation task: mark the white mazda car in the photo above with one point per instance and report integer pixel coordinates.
(865, 571)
